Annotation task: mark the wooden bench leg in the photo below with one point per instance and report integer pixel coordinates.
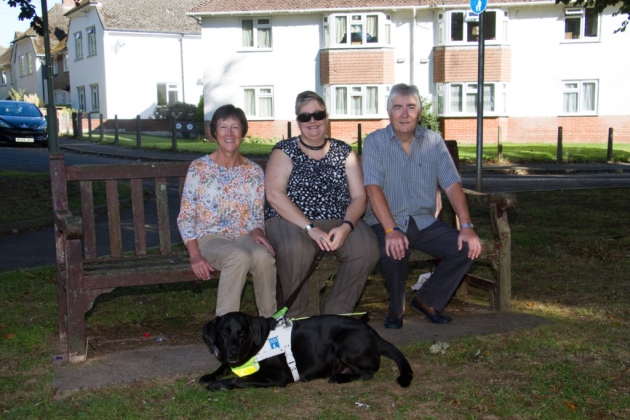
(75, 312)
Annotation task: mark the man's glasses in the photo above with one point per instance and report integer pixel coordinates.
(306, 116)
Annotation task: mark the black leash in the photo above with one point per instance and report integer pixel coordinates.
(291, 299)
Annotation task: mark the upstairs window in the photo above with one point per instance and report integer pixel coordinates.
(258, 102)
(4, 78)
(581, 24)
(55, 66)
(29, 63)
(355, 29)
(91, 36)
(78, 45)
(463, 26)
(579, 97)
(22, 66)
(167, 93)
(66, 67)
(256, 33)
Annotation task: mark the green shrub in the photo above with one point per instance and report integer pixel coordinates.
(429, 119)
(178, 111)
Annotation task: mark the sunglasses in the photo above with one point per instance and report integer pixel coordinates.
(306, 116)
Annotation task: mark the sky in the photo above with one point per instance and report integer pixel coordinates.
(9, 22)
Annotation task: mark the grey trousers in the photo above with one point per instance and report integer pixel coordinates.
(235, 258)
(438, 240)
(295, 252)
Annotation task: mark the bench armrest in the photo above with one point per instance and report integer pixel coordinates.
(503, 201)
(70, 226)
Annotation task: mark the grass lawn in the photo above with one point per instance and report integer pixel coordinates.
(570, 265)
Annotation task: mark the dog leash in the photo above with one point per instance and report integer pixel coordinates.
(291, 299)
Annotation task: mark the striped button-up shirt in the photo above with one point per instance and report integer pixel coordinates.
(409, 182)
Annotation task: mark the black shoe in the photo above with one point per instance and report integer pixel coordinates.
(393, 321)
(430, 314)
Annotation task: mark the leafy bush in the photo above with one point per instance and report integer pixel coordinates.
(429, 119)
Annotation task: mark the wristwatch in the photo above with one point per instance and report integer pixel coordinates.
(309, 227)
(467, 225)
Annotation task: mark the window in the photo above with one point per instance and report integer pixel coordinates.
(356, 100)
(4, 78)
(256, 33)
(258, 101)
(55, 64)
(357, 29)
(81, 95)
(22, 66)
(29, 63)
(461, 98)
(463, 26)
(579, 97)
(167, 93)
(91, 36)
(94, 95)
(78, 45)
(580, 24)
(65, 63)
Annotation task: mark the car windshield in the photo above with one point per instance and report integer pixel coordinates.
(19, 109)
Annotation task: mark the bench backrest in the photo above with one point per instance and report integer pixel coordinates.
(137, 176)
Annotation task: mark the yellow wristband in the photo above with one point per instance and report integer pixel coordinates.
(390, 230)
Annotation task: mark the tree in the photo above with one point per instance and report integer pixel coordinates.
(28, 12)
(600, 5)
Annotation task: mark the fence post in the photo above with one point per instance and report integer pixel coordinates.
(173, 137)
(500, 144)
(89, 126)
(116, 130)
(288, 129)
(609, 157)
(100, 127)
(359, 139)
(138, 133)
(559, 152)
(80, 125)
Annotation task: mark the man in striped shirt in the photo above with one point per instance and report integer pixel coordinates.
(404, 165)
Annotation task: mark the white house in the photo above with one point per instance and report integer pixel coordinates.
(127, 57)
(546, 65)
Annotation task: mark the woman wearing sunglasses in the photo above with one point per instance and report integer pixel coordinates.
(314, 188)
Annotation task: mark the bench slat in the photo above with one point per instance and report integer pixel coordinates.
(87, 214)
(161, 200)
(137, 204)
(113, 216)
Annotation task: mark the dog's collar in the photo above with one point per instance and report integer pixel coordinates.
(278, 342)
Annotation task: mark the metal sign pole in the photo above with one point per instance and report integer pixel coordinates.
(480, 89)
(51, 111)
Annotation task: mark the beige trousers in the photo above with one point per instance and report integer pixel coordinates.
(235, 258)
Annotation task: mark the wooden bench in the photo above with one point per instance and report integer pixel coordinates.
(496, 251)
(87, 267)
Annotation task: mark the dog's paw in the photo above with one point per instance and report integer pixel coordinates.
(217, 386)
(206, 379)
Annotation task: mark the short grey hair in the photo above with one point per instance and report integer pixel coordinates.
(306, 97)
(402, 89)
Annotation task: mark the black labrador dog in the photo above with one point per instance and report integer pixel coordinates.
(337, 347)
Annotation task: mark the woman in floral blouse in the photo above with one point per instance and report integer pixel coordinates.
(221, 218)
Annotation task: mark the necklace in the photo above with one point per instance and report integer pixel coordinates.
(314, 147)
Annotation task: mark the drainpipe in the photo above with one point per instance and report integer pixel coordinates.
(181, 59)
(412, 59)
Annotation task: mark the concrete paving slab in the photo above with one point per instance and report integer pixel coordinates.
(174, 361)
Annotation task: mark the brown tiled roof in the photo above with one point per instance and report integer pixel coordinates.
(5, 56)
(57, 27)
(146, 15)
(246, 6)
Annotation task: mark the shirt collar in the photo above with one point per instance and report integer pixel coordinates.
(418, 135)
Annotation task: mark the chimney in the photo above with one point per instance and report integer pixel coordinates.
(68, 4)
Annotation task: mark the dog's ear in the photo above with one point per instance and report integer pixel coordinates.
(260, 327)
(210, 335)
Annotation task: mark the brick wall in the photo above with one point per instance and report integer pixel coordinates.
(339, 67)
(539, 129)
(460, 64)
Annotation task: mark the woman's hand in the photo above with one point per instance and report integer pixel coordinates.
(338, 235)
(322, 239)
(201, 267)
(258, 236)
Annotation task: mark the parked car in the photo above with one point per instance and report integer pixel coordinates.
(22, 122)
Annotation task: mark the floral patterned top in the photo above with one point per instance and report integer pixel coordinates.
(219, 200)
(319, 188)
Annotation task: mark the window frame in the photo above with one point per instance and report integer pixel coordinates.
(256, 26)
(579, 91)
(94, 95)
(445, 91)
(22, 61)
(55, 66)
(66, 64)
(583, 14)
(169, 89)
(78, 45)
(444, 27)
(361, 19)
(29, 63)
(81, 98)
(260, 93)
(4, 78)
(91, 38)
(352, 91)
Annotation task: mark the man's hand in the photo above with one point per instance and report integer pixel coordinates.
(396, 244)
(474, 243)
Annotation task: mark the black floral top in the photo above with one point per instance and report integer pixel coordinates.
(318, 187)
